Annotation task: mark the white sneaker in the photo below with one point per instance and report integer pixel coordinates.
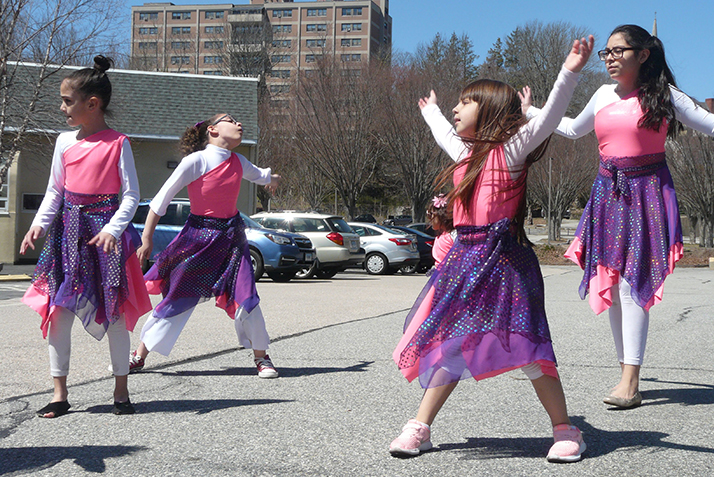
(265, 367)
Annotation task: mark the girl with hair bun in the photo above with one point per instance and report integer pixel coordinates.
(210, 257)
(88, 266)
(630, 236)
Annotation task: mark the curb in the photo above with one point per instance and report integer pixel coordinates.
(15, 278)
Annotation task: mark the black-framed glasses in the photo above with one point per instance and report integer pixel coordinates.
(616, 52)
(225, 117)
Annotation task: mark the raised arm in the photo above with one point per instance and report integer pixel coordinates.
(442, 129)
(691, 115)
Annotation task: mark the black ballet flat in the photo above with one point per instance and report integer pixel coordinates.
(59, 408)
(121, 408)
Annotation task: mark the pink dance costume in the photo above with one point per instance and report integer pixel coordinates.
(210, 256)
(442, 245)
(482, 312)
(82, 199)
(630, 228)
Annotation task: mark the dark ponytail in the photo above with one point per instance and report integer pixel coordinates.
(654, 80)
(195, 138)
(94, 81)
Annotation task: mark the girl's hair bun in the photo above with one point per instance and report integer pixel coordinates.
(102, 63)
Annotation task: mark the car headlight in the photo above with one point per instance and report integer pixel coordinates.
(279, 239)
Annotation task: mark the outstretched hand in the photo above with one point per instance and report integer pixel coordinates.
(425, 101)
(275, 180)
(526, 97)
(579, 54)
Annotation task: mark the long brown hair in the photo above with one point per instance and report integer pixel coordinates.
(498, 119)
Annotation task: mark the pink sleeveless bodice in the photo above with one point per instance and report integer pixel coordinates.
(493, 198)
(215, 193)
(92, 165)
(618, 134)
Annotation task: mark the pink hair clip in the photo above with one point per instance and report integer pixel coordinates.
(439, 201)
(198, 124)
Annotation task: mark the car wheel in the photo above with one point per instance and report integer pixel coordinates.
(409, 269)
(281, 277)
(376, 264)
(326, 273)
(307, 272)
(257, 261)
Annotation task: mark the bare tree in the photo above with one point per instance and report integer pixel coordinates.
(564, 174)
(691, 157)
(53, 34)
(334, 128)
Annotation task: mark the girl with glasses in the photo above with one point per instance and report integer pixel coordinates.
(630, 236)
(210, 256)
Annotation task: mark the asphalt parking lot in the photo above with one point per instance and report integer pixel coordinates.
(340, 399)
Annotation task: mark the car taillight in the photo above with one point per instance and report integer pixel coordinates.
(429, 243)
(337, 238)
(400, 241)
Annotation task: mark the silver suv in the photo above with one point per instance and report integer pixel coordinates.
(337, 246)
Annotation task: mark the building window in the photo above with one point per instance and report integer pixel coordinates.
(213, 73)
(180, 30)
(280, 58)
(279, 104)
(317, 12)
(351, 27)
(148, 31)
(316, 27)
(180, 45)
(214, 29)
(146, 16)
(180, 60)
(351, 73)
(213, 15)
(213, 45)
(31, 202)
(213, 59)
(282, 43)
(280, 88)
(351, 12)
(180, 15)
(281, 13)
(315, 43)
(352, 57)
(4, 197)
(312, 58)
(350, 42)
(282, 74)
(145, 45)
(282, 28)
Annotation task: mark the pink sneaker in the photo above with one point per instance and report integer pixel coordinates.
(265, 367)
(136, 362)
(569, 444)
(413, 439)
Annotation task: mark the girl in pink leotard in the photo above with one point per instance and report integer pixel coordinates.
(88, 267)
(630, 237)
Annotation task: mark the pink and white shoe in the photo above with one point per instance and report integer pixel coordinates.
(415, 438)
(569, 444)
(266, 370)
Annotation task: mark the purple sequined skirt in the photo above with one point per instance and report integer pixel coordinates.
(630, 228)
(209, 258)
(80, 277)
(481, 313)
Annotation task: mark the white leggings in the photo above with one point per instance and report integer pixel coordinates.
(160, 334)
(60, 341)
(629, 323)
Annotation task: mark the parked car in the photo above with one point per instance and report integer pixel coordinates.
(386, 250)
(336, 245)
(422, 227)
(280, 255)
(425, 244)
(366, 218)
(398, 220)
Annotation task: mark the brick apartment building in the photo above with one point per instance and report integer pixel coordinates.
(271, 38)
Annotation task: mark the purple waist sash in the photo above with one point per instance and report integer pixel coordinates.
(620, 169)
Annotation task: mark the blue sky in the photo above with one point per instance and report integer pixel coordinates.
(684, 26)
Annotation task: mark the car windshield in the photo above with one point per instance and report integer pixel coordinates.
(141, 212)
(339, 224)
(389, 229)
(250, 223)
(308, 224)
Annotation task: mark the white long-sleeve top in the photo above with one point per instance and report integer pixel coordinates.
(197, 164)
(55, 187)
(525, 141)
(686, 111)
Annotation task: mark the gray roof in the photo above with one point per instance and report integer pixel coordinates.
(144, 104)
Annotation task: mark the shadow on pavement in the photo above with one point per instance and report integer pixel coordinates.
(199, 406)
(697, 394)
(31, 459)
(284, 372)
